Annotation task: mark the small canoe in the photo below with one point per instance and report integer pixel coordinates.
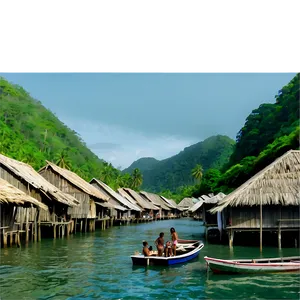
(261, 265)
(183, 254)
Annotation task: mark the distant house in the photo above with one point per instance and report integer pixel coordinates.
(164, 209)
(148, 208)
(91, 200)
(268, 201)
(175, 209)
(26, 179)
(10, 199)
(122, 208)
(186, 203)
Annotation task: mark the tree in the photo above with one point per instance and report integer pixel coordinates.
(63, 161)
(107, 174)
(197, 172)
(137, 179)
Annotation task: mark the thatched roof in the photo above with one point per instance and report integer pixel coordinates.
(10, 194)
(170, 203)
(112, 194)
(140, 200)
(196, 206)
(110, 205)
(77, 181)
(276, 184)
(125, 195)
(155, 199)
(33, 178)
(186, 203)
(214, 199)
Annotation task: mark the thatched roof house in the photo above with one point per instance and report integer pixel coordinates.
(170, 203)
(11, 195)
(25, 178)
(196, 206)
(114, 198)
(74, 185)
(125, 195)
(155, 199)
(142, 202)
(276, 184)
(186, 203)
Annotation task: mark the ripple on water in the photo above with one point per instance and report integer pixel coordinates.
(98, 266)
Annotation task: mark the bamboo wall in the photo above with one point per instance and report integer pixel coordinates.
(6, 215)
(30, 190)
(249, 217)
(86, 208)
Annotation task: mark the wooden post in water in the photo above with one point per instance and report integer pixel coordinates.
(27, 227)
(54, 231)
(279, 235)
(75, 225)
(81, 221)
(260, 243)
(85, 225)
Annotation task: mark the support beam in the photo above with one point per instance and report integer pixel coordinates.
(260, 236)
(279, 235)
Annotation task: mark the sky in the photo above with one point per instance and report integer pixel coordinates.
(125, 116)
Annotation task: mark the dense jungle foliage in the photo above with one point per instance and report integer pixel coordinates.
(174, 172)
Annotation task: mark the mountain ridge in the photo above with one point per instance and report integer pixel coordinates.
(175, 171)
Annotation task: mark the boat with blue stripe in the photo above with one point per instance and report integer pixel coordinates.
(186, 251)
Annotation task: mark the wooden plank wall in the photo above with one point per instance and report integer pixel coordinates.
(26, 188)
(249, 217)
(86, 208)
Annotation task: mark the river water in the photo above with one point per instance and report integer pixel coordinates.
(98, 266)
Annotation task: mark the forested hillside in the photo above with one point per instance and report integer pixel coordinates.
(143, 164)
(269, 131)
(31, 133)
(175, 172)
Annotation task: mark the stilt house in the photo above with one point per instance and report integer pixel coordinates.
(91, 200)
(10, 199)
(122, 208)
(26, 179)
(149, 209)
(157, 201)
(269, 201)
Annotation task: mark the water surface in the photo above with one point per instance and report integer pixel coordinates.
(98, 266)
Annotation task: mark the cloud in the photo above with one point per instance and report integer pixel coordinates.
(121, 146)
(105, 146)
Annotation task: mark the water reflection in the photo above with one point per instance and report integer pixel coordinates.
(98, 266)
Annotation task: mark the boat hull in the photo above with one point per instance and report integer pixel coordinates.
(235, 267)
(166, 261)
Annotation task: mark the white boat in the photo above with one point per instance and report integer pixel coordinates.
(261, 265)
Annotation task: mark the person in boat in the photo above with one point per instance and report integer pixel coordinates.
(160, 244)
(147, 251)
(168, 249)
(174, 237)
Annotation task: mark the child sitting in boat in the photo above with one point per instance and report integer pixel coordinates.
(168, 249)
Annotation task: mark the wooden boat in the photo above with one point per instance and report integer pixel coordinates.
(185, 252)
(262, 265)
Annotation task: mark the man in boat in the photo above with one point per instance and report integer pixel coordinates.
(174, 236)
(160, 244)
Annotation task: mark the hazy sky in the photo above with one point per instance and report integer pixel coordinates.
(123, 117)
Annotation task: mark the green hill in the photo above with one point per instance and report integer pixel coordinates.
(31, 133)
(269, 131)
(144, 164)
(173, 172)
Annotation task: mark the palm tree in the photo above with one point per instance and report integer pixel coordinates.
(197, 172)
(107, 173)
(137, 179)
(63, 161)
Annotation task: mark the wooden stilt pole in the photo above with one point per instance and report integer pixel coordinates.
(26, 226)
(11, 240)
(279, 235)
(260, 243)
(85, 225)
(54, 231)
(81, 223)
(5, 240)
